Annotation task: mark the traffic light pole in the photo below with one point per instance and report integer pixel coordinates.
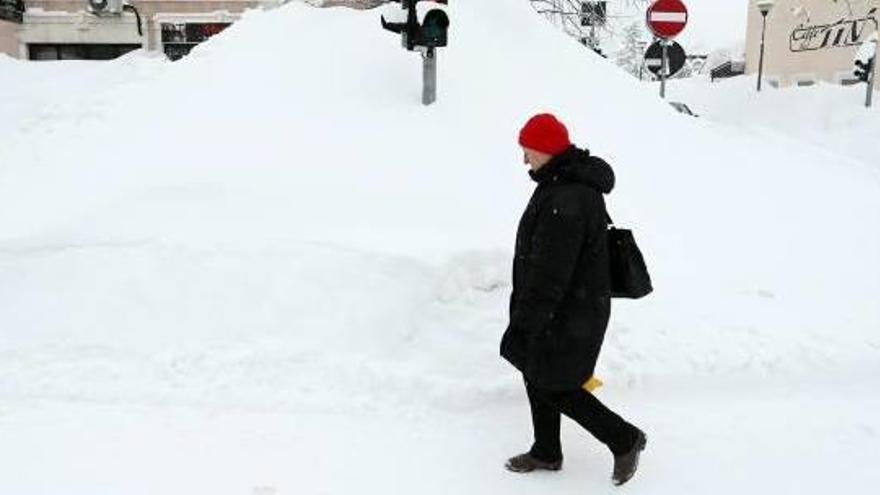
(429, 76)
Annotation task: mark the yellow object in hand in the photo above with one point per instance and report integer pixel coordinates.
(592, 384)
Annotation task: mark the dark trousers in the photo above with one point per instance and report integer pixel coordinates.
(584, 408)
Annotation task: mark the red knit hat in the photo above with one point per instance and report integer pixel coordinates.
(546, 134)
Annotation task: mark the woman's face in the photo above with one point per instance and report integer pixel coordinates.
(535, 159)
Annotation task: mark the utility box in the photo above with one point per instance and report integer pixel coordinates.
(105, 6)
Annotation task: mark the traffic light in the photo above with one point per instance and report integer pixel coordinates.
(435, 28)
(864, 59)
(863, 69)
(431, 33)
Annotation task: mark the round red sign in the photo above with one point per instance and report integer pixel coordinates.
(667, 18)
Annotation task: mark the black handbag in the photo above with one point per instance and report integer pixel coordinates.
(629, 275)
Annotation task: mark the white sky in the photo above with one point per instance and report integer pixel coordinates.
(715, 23)
(712, 24)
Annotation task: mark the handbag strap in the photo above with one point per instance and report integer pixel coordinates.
(608, 218)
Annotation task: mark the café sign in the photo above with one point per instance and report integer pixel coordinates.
(850, 31)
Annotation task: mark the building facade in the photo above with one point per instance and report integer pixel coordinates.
(71, 29)
(810, 40)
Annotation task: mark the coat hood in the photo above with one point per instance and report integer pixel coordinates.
(577, 165)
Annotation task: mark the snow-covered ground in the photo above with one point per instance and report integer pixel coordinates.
(273, 271)
(828, 119)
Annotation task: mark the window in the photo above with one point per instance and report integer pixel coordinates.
(179, 38)
(45, 51)
(804, 79)
(12, 10)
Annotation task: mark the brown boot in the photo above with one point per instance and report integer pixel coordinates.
(625, 465)
(525, 463)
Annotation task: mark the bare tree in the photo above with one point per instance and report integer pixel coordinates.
(568, 14)
(354, 4)
(631, 56)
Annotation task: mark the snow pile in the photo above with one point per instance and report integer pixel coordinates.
(828, 119)
(306, 203)
(275, 224)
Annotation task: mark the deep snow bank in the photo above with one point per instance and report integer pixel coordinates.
(826, 118)
(296, 210)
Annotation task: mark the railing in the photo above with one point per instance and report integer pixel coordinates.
(728, 69)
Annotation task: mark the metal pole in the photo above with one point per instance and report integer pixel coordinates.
(872, 77)
(761, 63)
(592, 35)
(429, 76)
(664, 69)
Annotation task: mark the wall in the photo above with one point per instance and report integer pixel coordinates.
(810, 39)
(9, 38)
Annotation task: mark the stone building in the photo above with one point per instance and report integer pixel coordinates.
(79, 29)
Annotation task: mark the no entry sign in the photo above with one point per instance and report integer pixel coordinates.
(667, 18)
(675, 58)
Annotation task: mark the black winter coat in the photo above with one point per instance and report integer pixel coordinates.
(561, 296)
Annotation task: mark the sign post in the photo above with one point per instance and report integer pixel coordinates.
(664, 70)
(666, 19)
